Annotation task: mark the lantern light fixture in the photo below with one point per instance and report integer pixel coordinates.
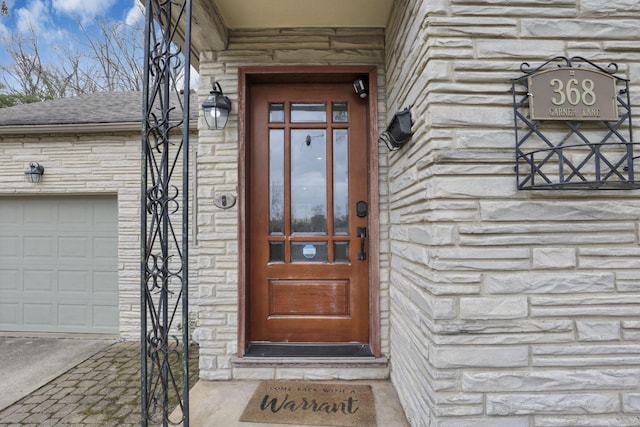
(34, 173)
(216, 108)
(399, 130)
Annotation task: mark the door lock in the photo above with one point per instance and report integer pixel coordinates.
(361, 209)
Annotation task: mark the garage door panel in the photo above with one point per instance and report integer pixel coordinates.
(104, 247)
(41, 282)
(58, 264)
(38, 247)
(75, 282)
(9, 280)
(103, 215)
(38, 315)
(73, 315)
(38, 213)
(9, 313)
(9, 246)
(74, 248)
(9, 214)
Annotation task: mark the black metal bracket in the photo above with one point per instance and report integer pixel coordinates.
(569, 155)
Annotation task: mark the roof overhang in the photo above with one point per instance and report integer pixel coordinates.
(213, 19)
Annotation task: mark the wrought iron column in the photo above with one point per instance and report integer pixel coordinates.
(164, 214)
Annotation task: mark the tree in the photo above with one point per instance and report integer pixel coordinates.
(109, 57)
(117, 52)
(4, 9)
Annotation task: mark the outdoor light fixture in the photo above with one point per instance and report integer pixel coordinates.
(216, 108)
(399, 130)
(361, 86)
(34, 173)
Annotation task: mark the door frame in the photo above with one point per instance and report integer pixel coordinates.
(306, 74)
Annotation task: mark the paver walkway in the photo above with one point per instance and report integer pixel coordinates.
(104, 390)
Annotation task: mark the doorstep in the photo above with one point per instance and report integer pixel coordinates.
(310, 368)
(220, 403)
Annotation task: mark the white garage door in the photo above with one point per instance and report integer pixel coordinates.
(58, 264)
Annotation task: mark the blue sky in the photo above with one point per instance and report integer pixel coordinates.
(57, 18)
(57, 23)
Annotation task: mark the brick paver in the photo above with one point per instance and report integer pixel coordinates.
(104, 390)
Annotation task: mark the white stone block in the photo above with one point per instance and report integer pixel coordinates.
(552, 258)
(550, 403)
(631, 403)
(548, 283)
(490, 308)
(552, 380)
(598, 330)
(479, 356)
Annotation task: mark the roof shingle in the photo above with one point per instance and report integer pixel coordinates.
(93, 108)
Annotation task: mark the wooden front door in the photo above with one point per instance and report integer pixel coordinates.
(308, 207)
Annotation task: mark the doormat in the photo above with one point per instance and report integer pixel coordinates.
(311, 404)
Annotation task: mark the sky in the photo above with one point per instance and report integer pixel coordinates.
(57, 22)
(56, 19)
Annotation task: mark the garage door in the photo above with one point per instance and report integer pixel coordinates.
(58, 264)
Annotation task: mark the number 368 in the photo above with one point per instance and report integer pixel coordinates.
(573, 92)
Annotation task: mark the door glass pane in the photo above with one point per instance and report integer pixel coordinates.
(309, 181)
(340, 114)
(276, 181)
(309, 252)
(276, 113)
(341, 251)
(314, 113)
(341, 181)
(276, 251)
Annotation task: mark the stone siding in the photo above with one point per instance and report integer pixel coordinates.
(508, 308)
(218, 155)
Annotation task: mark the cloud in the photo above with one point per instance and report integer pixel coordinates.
(32, 18)
(135, 14)
(84, 9)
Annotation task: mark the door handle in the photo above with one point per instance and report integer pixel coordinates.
(362, 234)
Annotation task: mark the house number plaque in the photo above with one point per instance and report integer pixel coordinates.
(572, 93)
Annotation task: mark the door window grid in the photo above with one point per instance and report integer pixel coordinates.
(335, 246)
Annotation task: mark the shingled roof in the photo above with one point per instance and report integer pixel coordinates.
(94, 108)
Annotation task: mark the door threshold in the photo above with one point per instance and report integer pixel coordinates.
(311, 350)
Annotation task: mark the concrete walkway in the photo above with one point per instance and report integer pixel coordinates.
(104, 390)
(26, 364)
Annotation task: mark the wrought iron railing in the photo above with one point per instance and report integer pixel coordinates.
(164, 214)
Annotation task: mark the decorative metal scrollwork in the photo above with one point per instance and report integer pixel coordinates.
(573, 148)
(164, 216)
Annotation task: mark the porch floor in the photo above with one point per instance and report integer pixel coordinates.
(220, 403)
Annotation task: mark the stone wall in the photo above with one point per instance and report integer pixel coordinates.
(218, 173)
(508, 308)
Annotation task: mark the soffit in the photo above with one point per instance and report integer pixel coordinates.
(242, 14)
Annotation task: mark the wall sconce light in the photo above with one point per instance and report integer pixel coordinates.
(361, 86)
(216, 108)
(34, 173)
(399, 130)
